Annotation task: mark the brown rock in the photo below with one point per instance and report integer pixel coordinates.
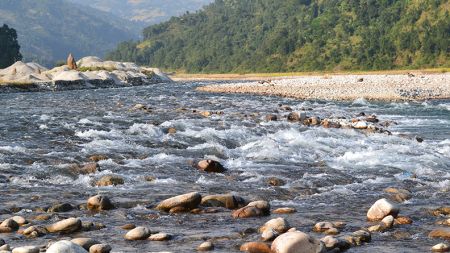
(271, 117)
(60, 208)
(284, 210)
(441, 247)
(187, 201)
(445, 210)
(128, 226)
(402, 220)
(139, 233)
(293, 117)
(443, 233)
(206, 246)
(274, 181)
(223, 200)
(98, 158)
(399, 195)
(65, 226)
(100, 248)
(159, 237)
(256, 247)
(253, 209)
(86, 243)
(99, 203)
(71, 63)
(293, 242)
(110, 180)
(210, 166)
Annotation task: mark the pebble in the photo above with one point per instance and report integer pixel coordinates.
(26, 249)
(206, 246)
(100, 248)
(284, 210)
(138, 233)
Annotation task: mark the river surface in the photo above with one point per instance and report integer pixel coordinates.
(330, 174)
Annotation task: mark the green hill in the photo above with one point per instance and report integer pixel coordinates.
(298, 35)
(49, 29)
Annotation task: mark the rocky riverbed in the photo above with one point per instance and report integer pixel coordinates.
(347, 87)
(162, 168)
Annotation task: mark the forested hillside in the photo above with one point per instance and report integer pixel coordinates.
(298, 35)
(48, 30)
(9, 47)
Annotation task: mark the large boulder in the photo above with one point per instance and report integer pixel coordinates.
(381, 209)
(297, 242)
(65, 226)
(186, 202)
(223, 200)
(65, 247)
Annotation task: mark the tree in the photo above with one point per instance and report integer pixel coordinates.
(9, 47)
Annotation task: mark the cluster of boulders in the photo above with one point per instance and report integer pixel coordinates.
(88, 73)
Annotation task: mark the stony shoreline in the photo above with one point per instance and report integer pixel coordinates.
(346, 87)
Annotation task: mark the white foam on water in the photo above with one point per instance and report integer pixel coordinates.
(13, 149)
(360, 101)
(105, 146)
(203, 180)
(165, 181)
(148, 130)
(43, 127)
(86, 121)
(44, 117)
(445, 106)
(91, 134)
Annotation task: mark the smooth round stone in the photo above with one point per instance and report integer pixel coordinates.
(186, 201)
(206, 246)
(65, 226)
(382, 208)
(20, 220)
(5, 247)
(100, 248)
(99, 203)
(160, 237)
(65, 247)
(26, 249)
(139, 233)
(9, 223)
(255, 247)
(279, 225)
(86, 243)
(441, 247)
(293, 242)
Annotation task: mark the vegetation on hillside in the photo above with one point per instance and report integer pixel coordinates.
(298, 35)
(9, 47)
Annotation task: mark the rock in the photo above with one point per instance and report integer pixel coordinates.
(128, 226)
(293, 117)
(359, 237)
(141, 107)
(402, 220)
(42, 217)
(89, 168)
(360, 80)
(360, 125)
(323, 226)
(60, 208)
(139, 233)
(205, 114)
(441, 247)
(20, 220)
(210, 166)
(372, 119)
(160, 237)
(2, 242)
(65, 226)
(171, 130)
(330, 124)
(34, 231)
(399, 195)
(271, 117)
(71, 63)
(284, 210)
(269, 235)
(253, 209)
(280, 225)
(65, 247)
(110, 180)
(443, 233)
(445, 210)
(99, 203)
(223, 200)
(187, 201)
(335, 243)
(255, 247)
(296, 242)
(100, 248)
(26, 249)
(5, 247)
(381, 209)
(444, 222)
(8, 226)
(206, 246)
(98, 158)
(86, 243)
(388, 221)
(274, 181)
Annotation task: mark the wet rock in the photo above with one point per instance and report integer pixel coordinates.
(253, 209)
(42, 217)
(65, 226)
(280, 225)
(401, 235)
(26, 249)
(99, 203)
(71, 63)
(399, 195)
(255, 247)
(110, 180)
(210, 166)
(34, 231)
(205, 114)
(402, 220)
(206, 246)
(444, 222)
(223, 200)
(89, 168)
(2, 242)
(139, 233)
(60, 208)
(128, 226)
(271, 117)
(360, 125)
(86, 243)
(65, 247)
(100, 248)
(445, 210)
(98, 158)
(388, 221)
(359, 237)
(441, 247)
(187, 201)
(381, 209)
(274, 181)
(293, 242)
(323, 227)
(269, 235)
(5, 247)
(443, 233)
(331, 243)
(160, 237)
(171, 130)
(284, 210)
(372, 119)
(330, 124)
(149, 178)
(20, 220)
(293, 117)
(8, 226)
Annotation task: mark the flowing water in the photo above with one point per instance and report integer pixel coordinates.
(330, 174)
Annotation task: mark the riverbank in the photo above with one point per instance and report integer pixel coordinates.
(392, 87)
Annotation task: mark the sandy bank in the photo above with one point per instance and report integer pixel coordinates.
(346, 87)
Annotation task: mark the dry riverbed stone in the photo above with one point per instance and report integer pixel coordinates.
(185, 202)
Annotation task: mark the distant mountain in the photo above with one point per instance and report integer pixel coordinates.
(48, 30)
(298, 35)
(146, 11)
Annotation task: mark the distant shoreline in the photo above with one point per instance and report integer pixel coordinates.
(382, 87)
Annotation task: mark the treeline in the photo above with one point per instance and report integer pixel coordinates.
(9, 47)
(298, 35)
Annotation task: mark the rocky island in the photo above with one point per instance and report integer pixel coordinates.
(88, 73)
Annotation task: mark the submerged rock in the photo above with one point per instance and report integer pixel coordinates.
(187, 202)
(109, 180)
